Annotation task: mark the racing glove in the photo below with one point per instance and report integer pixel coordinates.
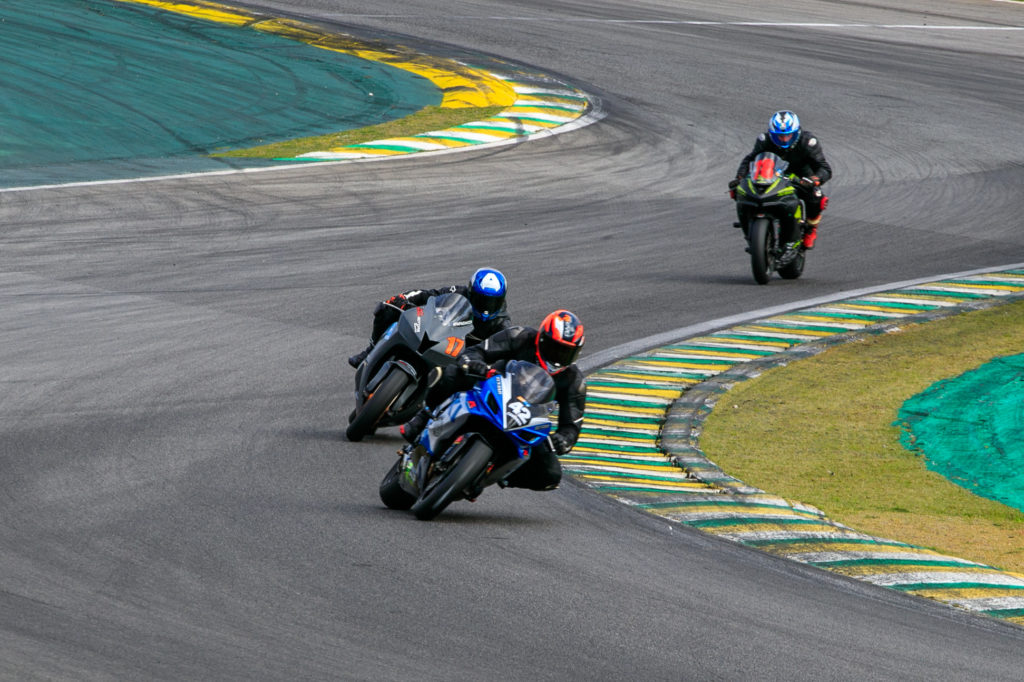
(472, 367)
(399, 301)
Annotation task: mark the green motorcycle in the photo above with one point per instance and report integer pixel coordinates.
(772, 217)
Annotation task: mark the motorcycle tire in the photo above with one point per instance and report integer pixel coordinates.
(445, 488)
(365, 420)
(794, 268)
(391, 492)
(762, 250)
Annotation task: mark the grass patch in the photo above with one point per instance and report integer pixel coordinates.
(820, 431)
(425, 120)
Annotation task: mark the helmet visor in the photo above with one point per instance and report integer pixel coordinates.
(557, 355)
(783, 139)
(485, 305)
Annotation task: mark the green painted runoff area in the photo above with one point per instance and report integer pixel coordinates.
(970, 429)
(95, 89)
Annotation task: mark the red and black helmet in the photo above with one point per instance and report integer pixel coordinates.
(559, 341)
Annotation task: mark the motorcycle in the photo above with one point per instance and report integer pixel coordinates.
(392, 382)
(475, 439)
(772, 218)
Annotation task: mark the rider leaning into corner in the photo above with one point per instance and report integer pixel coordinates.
(555, 347)
(802, 150)
(486, 293)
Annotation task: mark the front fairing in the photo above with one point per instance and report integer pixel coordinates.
(767, 185)
(517, 402)
(441, 325)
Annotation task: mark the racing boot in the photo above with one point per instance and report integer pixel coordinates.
(412, 429)
(811, 234)
(358, 358)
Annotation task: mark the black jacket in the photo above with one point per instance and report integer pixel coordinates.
(481, 329)
(520, 343)
(805, 158)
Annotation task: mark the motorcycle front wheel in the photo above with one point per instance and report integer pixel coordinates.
(762, 249)
(444, 489)
(366, 417)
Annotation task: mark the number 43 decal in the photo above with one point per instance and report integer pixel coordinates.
(455, 346)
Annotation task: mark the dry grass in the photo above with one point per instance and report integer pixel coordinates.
(821, 431)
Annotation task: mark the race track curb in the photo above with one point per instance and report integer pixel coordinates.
(536, 105)
(644, 414)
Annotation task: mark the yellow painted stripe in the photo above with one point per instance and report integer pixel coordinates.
(767, 525)
(461, 86)
(598, 421)
(949, 593)
(617, 391)
(372, 151)
(834, 319)
(632, 466)
(609, 409)
(446, 141)
(533, 121)
(716, 352)
(660, 482)
(878, 308)
(613, 453)
(484, 130)
(210, 11)
(815, 545)
(712, 508)
(681, 365)
(742, 342)
(790, 330)
(612, 375)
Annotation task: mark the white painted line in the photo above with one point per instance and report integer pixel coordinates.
(988, 603)
(827, 557)
(941, 577)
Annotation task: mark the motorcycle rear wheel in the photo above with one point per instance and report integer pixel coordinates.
(762, 250)
(366, 417)
(794, 268)
(391, 492)
(445, 489)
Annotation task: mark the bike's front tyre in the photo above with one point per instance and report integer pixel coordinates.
(441, 491)
(366, 417)
(762, 249)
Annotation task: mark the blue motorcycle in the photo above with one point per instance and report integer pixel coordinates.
(474, 439)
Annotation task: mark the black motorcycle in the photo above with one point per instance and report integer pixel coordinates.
(772, 218)
(392, 382)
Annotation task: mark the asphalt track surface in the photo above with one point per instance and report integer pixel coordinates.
(178, 499)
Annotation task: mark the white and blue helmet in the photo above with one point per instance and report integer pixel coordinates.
(487, 290)
(784, 129)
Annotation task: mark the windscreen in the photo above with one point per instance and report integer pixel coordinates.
(530, 383)
(766, 167)
(450, 309)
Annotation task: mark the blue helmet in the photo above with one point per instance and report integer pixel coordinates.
(487, 290)
(784, 129)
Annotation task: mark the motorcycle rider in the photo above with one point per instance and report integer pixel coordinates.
(486, 293)
(555, 347)
(802, 150)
